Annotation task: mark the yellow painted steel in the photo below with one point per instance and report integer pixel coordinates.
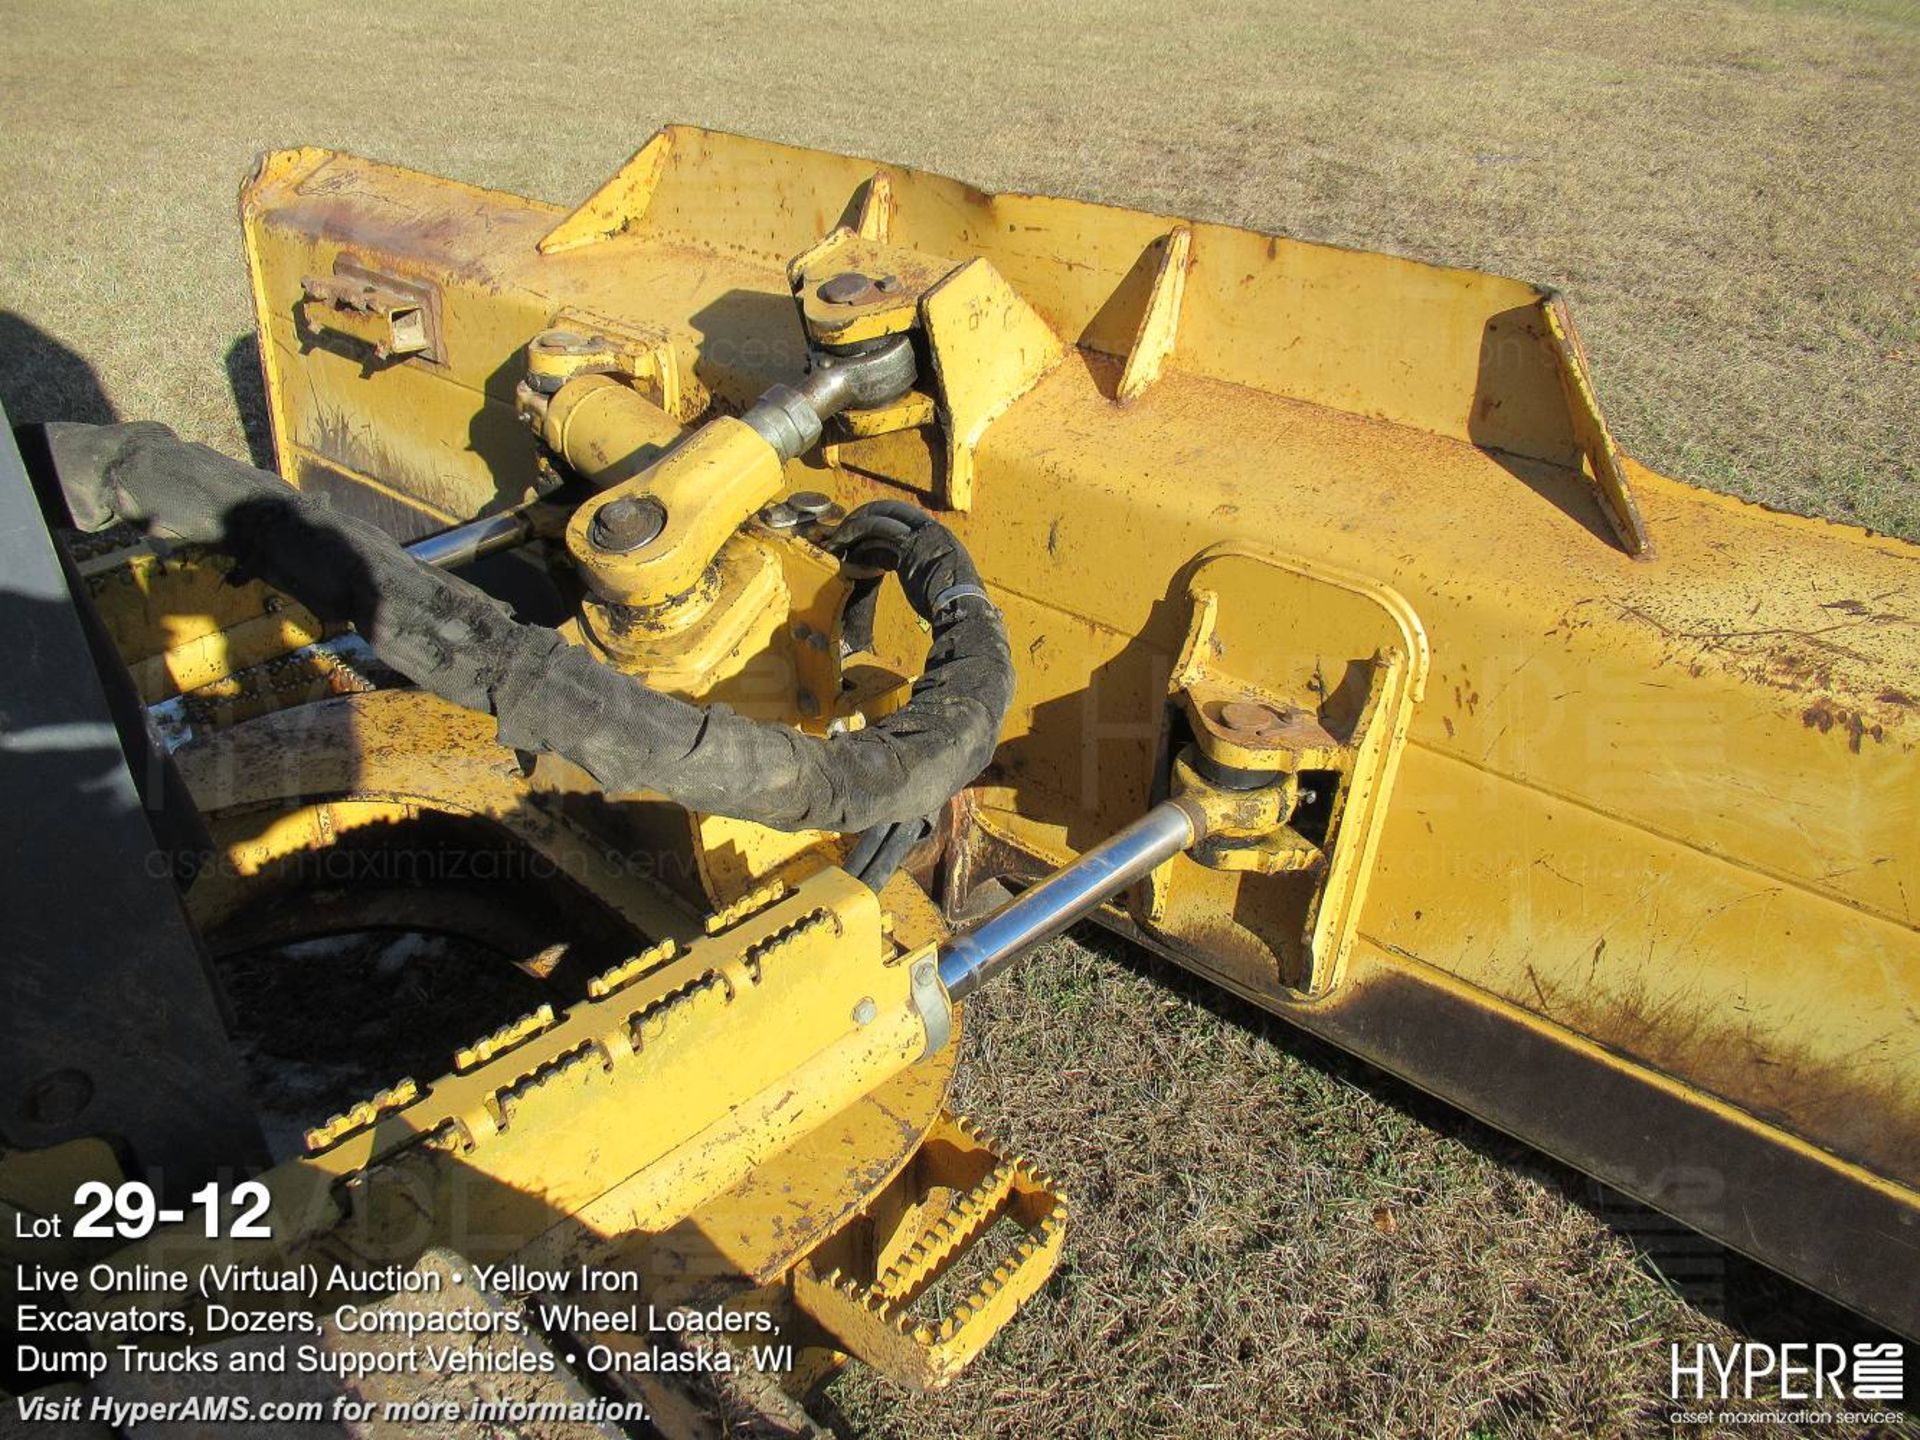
(1692, 751)
(612, 1119)
(1339, 665)
(624, 1130)
(607, 430)
(727, 1099)
(1623, 767)
(707, 486)
(969, 1190)
(188, 626)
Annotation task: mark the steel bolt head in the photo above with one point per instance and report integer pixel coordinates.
(563, 342)
(627, 524)
(809, 504)
(847, 288)
(779, 516)
(1249, 717)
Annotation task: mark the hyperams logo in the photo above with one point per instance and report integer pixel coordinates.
(1811, 1372)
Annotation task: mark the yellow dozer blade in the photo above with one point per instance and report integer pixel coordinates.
(1348, 662)
(1629, 868)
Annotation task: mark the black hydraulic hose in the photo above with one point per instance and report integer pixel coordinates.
(881, 850)
(453, 639)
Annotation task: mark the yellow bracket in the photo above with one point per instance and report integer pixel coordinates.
(958, 1190)
(988, 345)
(882, 312)
(643, 354)
(875, 220)
(393, 318)
(1336, 664)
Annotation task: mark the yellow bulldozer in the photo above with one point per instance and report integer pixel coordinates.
(763, 601)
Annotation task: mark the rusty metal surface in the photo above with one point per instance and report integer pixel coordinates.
(1841, 1232)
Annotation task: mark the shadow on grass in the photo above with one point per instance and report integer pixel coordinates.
(42, 379)
(247, 381)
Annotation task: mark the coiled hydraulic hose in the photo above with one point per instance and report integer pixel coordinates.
(455, 640)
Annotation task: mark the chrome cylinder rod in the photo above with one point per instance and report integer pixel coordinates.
(1069, 894)
(468, 542)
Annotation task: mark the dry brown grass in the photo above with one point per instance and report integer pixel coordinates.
(1728, 192)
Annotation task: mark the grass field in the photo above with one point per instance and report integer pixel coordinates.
(1269, 1239)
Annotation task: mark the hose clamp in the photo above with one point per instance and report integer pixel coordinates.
(956, 592)
(930, 1000)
